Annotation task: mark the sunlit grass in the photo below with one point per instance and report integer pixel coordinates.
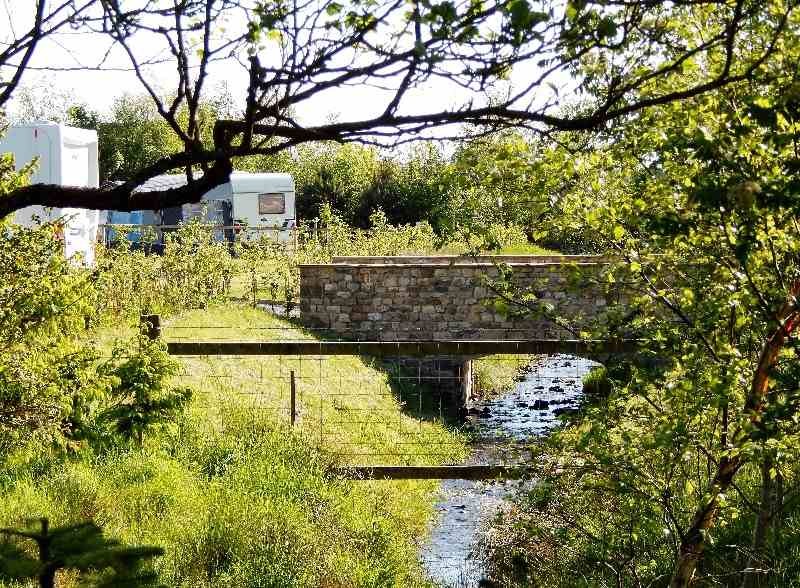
(347, 406)
(233, 493)
(498, 373)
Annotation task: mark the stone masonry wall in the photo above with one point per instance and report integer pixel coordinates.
(440, 298)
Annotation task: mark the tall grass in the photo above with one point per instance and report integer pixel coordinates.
(234, 494)
(499, 373)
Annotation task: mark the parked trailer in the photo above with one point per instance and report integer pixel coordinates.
(66, 156)
(247, 206)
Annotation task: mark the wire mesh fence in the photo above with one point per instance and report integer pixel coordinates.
(379, 410)
(356, 409)
(407, 411)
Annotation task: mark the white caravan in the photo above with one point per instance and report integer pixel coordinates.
(67, 156)
(260, 203)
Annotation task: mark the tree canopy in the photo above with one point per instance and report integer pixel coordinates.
(612, 58)
(695, 456)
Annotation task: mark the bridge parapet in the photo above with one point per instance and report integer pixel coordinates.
(449, 260)
(443, 297)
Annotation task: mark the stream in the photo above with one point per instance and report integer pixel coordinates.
(501, 426)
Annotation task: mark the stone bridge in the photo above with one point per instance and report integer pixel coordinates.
(448, 298)
(445, 298)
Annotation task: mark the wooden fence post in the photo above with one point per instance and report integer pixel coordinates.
(151, 325)
(293, 399)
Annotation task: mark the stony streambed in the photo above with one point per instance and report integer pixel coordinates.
(502, 427)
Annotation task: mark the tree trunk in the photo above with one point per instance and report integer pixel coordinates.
(694, 542)
(48, 578)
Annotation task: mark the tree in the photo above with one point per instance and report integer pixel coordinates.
(43, 100)
(80, 547)
(139, 398)
(21, 39)
(40, 295)
(625, 57)
(496, 182)
(700, 204)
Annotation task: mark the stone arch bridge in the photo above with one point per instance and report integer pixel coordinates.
(445, 301)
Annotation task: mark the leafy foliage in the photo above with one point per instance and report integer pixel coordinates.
(194, 269)
(41, 296)
(695, 457)
(139, 397)
(355, 182)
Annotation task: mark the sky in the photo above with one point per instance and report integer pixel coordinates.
(98, 89)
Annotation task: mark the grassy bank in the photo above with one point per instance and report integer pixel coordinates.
(499, 373)
(234, 495)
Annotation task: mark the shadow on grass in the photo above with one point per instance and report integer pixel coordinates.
(422, 397)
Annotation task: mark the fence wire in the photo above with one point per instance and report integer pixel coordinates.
(359, 410)
(401, 411)
(392, 411)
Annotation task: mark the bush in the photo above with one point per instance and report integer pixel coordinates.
(194, 270)
(596, 384)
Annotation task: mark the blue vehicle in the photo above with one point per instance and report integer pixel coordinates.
(137, 217)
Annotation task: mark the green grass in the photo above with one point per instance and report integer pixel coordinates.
(233, 494)
(524, 249)
(498, 373)
(596, 383)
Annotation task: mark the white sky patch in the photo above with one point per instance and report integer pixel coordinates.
(62, 60)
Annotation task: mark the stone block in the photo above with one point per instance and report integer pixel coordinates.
(310, 290)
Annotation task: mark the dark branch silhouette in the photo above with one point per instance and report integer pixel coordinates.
(618, 54)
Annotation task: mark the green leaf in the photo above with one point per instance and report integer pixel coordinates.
(607, 27)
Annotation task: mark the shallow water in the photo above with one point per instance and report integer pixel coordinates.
(501, 427)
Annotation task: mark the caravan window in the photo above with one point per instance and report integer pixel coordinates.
(272, 203)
